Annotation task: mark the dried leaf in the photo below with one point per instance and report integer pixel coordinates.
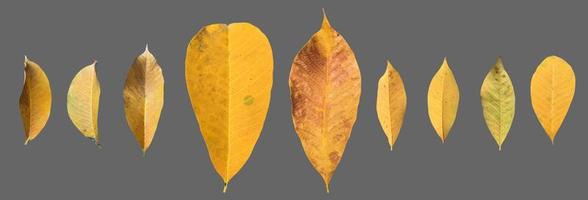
(35, 100)
(498, 102)
(325, 86)
(391, 103)
(443, 100)
(552, 90)
(229, 76)
(143, 96)
(83, 98)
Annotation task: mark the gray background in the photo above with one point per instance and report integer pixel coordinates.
(415, 35)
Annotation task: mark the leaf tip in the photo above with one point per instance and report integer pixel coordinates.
(325, 23)
(499, 63)
(146, 49)
(444, 64)
(389, 65)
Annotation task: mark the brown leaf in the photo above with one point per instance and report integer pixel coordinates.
(143, 95)
(325, 86)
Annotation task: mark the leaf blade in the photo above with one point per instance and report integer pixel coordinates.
(391, 103)
(144, 98)
(83, 99)
(443, 100)
(325, 86)
(229, 76)
(35, 100)
(498, 102)
(552, 90)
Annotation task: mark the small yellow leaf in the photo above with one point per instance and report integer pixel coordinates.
(35, 100)
(552, 89)
(443, 100)
(391, 103)
(325, 86)
(498, 102)
(229, 76)
(143, 96)
(83, 98)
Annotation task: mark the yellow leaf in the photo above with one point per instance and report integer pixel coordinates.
(443, 100)
(325, 86)
(229, 75)
(143, 96)
(552, 90)
(498, 102)
(391, 103)
(35, 100)
(83, 98)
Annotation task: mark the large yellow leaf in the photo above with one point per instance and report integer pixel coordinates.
(443, 100)
(391, 103)
(498, 102)
(552, 89)
(83, 98)
(143, 96)
(35, 100)
(229, 75)
(325, 86)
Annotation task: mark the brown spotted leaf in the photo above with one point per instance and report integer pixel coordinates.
(325, 86)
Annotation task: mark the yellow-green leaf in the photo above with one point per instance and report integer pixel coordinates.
(325, 86)
(443, 100)
(229, 75)
(83, 98)
(143, 96)
(391, 103)
(35, 100)
(552, 89)
(498, 102)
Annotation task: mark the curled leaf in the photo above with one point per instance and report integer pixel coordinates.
(83, 98)
(443, 100)
(498, 102)
(143, 96)
(229, 76)
(391, 103)
(35, 100)
(552, 90)
(325, 86)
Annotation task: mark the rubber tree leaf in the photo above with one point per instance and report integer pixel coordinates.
(391, 103)
(35, 100)
(498, 102)
(443, 100)
(325, 86)
(143, 97)
(83, 98)
(552, 89)
(229, 75)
